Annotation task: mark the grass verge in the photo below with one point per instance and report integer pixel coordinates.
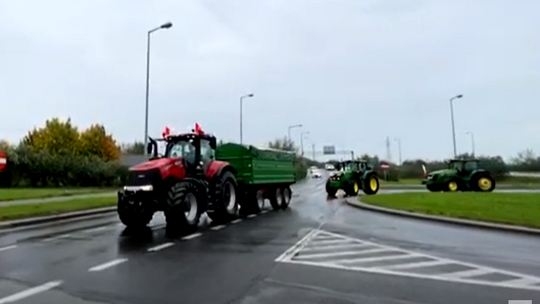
(521, 209)
(43, 209)
(11, 194)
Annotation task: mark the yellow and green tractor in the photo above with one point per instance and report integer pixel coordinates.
(352, 176)
(461, 175)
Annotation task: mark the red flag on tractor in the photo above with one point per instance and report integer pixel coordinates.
(198, 129)
(166, 132)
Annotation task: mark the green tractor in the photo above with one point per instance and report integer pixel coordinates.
(461, 175)
(353, 175)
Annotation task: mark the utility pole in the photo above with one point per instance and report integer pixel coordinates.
(472, 142)
(241, 110)
(399, 150)
(302, 142)
(313, 151)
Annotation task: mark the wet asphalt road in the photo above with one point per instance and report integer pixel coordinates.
(97, 261)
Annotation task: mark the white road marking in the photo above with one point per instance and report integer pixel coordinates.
(236, 221)
(326, 249)
(56, 237)
(251, 216)
(191, 236)
(8, 247)
(160, 247)
(95, 229)
(264, 211)
(107, 265)
(218, 227)
(30, 292)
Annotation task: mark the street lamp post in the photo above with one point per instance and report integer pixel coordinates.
(472, 141)
(399, 149)
(289, 130)
(302, 142)
(452, 117)
(163, 26)
(241, 107)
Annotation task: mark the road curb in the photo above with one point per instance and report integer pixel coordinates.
(443, 219)
(57, 217)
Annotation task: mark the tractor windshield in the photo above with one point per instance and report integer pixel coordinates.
(456, 165)
(183, 148)
(348, 167)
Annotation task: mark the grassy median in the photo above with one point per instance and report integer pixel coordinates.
(11, 194)
(521, 209)
(42, 209)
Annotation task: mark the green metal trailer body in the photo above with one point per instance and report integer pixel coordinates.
(256, 166)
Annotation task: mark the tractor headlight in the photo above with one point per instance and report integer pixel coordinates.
(139, 188)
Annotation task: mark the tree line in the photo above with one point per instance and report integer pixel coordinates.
(59, 154)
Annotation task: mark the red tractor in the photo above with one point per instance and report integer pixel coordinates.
(184, 182)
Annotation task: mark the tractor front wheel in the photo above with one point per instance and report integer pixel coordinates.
(183, 210)
(371, 184)
(133, 216)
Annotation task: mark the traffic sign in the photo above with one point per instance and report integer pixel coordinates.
(3, 161)
(385, 166)
(329, 150)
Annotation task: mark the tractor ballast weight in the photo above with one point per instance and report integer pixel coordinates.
(461, 175)
(352, 176)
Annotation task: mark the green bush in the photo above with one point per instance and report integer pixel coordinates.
(29, 168)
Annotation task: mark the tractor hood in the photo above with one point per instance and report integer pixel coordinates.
(443, 172)
(160, 163)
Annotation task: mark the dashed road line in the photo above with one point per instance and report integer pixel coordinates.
(160, 247)
(251, 216)
(236, 221)
(107, 265)
(54, 238)
(326, 249)
(218, 227)
(264, 211)
(8, 248)
(191, 236)
(30, 292)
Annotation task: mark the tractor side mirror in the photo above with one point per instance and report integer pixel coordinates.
(149, 148)
(213, 143)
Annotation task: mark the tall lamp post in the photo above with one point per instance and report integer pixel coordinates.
(452, 118)
(163, 26)
(241, 107)
(302, 142)
(289, 130)
(472, 142)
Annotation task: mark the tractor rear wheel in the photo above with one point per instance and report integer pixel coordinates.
(483, 183)
(371, 185)
(225, 205)
(183, 209)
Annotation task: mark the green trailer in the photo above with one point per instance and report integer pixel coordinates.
(261, 174)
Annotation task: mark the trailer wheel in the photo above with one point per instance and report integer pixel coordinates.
(287, 194)
(225, 199)
(183, 210)
(276, 200)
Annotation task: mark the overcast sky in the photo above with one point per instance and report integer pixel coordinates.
(352, 72)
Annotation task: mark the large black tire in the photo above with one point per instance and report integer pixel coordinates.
(287, 196)
(276, 199)
(330, 191)
(483, 182)
(225, 206)
(183, 209)
(371, 185)
(433, 188)
(133, 217)
(452, 186)
(353, 188)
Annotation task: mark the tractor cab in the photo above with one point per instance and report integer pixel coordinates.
(195, 150)
(463, 166)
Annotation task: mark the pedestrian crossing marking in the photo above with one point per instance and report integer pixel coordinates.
(331, 250)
